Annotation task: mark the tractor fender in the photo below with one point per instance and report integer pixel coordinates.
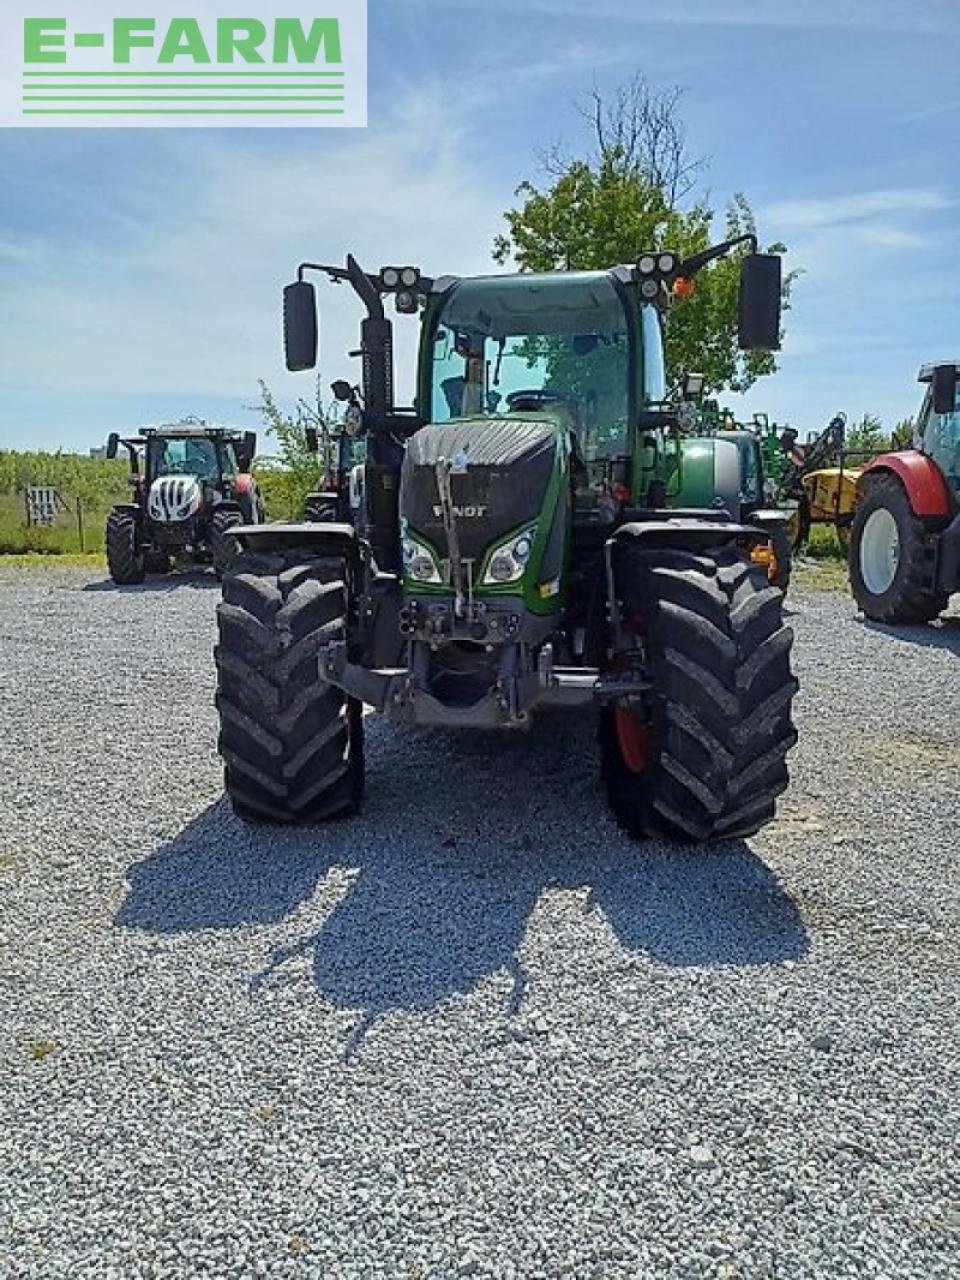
(133, 508)
(920, 476)
(688, 533)
(317, 539)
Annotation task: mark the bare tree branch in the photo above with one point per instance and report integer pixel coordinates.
(639, 130)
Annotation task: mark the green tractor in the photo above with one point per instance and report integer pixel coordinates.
(753, 493)
(536, 531)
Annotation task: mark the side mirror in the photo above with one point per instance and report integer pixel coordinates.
(342, 390)
(693, 384)
(247, 450)
(113, 441)
(760, 290)
(944, 388)
(311, 438)
(300, 326)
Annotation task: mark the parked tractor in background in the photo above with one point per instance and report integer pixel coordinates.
(535, 531)
(192, 488)
(759, 467)
(905, 536)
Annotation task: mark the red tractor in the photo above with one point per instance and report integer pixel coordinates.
(905, 538)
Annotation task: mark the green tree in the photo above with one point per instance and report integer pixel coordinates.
(902, 435)
(867, 436)
(286, 478)
(623, 198)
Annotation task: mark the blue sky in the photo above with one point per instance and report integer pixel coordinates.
(140, 270)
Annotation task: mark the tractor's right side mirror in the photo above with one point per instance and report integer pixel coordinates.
(113, 442)
(760, 290)
(247, 450)
(311, 439)
(300, 326)
(342, 390)
(944, 388)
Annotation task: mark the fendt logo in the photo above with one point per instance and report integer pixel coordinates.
(192, 62)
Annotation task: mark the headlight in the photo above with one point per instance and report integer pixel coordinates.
(508, 561)
(418, 561)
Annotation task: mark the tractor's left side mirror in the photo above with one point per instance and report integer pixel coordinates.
(944, 388)
(300, 326)
(760, 288)
(311, 439)
(113, 441)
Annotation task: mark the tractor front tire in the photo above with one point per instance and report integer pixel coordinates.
(224, 547)
(706, 759)
(292, 744)
(125, 558)
(887, 561)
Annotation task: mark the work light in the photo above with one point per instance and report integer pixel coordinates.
(647, 264)
(649, 288)
(410, 277)
(389, 277)
(667, 263)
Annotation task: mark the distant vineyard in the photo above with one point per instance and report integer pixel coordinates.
(95, 481)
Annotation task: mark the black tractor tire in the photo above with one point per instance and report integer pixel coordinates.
(125, 558)
(292, 744)
(224, 547)
(781, 544)
(718, 727)
(907, 598)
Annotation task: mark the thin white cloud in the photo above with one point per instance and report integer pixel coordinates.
(845, 15)
(187, 298)
(854, 207)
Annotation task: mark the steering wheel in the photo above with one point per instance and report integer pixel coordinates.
(532, 401)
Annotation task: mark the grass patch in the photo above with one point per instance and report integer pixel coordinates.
(41, 560)
(40, 1049)
(822, 575)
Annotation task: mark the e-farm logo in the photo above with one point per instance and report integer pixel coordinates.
(170, 63)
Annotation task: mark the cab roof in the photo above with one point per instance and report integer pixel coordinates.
(926, 370)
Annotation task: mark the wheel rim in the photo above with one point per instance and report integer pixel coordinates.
(633, 740)
(879, 551)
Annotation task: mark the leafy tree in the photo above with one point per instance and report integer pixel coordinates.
(623, 198)
(867, 436)
(296, 470)
(902, 435)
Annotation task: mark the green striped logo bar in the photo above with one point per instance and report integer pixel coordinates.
(279, 68)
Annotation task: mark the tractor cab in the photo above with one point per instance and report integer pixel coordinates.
(938, 425)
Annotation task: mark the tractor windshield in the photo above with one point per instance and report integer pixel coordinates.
(516, 344)
(184, 457)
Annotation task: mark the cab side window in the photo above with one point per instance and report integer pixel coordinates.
(654, 380)
(940, 436)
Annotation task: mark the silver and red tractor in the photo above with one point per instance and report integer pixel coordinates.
(191, 488)
(905, 537)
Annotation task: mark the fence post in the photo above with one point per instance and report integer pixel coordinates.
(80, 524)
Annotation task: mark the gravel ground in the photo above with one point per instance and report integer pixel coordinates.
(470, 1034)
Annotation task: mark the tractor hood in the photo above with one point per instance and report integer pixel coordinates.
(501, 469)
(174, 498)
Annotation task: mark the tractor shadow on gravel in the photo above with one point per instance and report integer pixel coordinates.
(943, 634)
(459, 838)
(196, 579)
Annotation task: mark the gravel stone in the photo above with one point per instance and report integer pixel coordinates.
(474, 1025)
